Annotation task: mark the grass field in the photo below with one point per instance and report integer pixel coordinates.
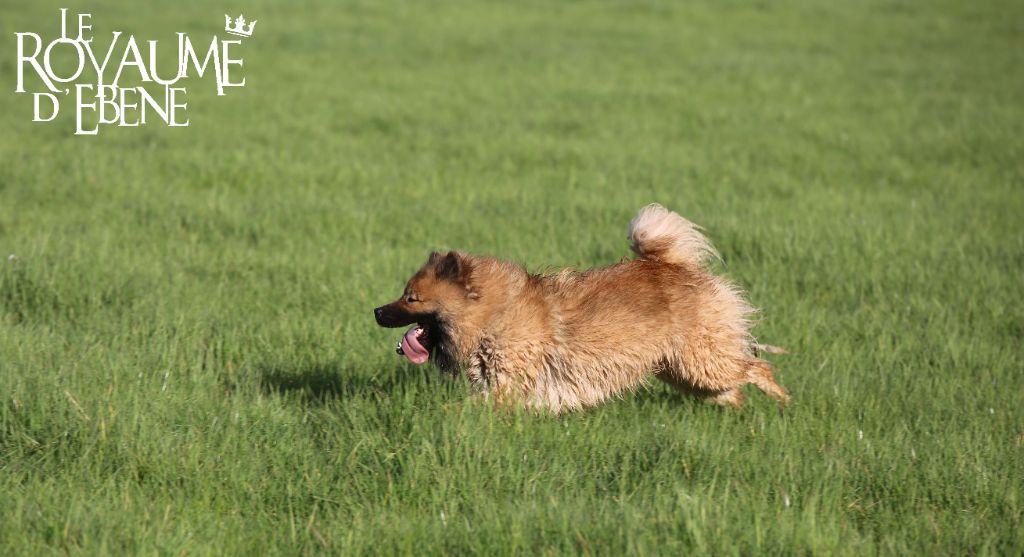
(189, 365)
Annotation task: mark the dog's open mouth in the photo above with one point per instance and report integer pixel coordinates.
(415, 344)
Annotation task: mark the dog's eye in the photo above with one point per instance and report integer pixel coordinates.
(411, 298)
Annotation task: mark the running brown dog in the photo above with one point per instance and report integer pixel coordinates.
(572, 339)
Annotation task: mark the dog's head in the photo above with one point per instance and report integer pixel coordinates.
(433, 299)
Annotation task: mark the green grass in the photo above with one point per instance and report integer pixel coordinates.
(188, 362)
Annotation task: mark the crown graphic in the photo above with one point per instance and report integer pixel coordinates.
(239, 28)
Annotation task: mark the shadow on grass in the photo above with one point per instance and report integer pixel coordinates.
(324, 383)
(316, 383)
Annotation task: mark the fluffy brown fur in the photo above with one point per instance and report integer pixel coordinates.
(573, 339)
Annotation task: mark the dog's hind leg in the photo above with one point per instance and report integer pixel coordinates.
(760, 373)
(732, 397)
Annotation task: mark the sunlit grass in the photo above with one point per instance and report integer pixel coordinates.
(188, 362)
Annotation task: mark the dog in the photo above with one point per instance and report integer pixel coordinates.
(569, 340)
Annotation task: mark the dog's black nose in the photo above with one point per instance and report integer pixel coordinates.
(377, 313)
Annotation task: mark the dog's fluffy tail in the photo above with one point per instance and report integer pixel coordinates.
(662, 235)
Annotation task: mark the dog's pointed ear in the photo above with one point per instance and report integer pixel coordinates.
(451, 267)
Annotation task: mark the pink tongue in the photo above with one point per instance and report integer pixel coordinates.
(412, 348)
